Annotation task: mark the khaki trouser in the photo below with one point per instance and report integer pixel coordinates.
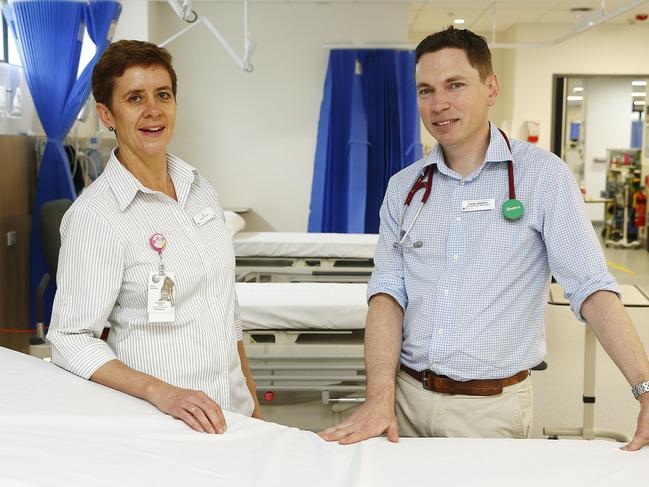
(427, 413)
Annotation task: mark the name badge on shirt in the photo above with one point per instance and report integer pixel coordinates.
(479, 205)
(204, 216)
(161, 304)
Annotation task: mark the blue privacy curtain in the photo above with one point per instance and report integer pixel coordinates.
(49, 34)
(368, 130)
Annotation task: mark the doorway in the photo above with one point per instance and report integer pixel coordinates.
(593, 117)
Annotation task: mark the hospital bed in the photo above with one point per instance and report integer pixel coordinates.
(59, 430)
(303, 257)
(303, 330)
(304, 343)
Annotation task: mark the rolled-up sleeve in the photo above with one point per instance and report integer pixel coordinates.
(89, 278)
(387, 276)
(575, 256)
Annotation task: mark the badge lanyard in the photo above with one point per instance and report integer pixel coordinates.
(512, 209)
(158, 242)
(160, 300)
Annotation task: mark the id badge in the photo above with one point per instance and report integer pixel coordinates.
(479, 205)
(161, 305)
(204, 216)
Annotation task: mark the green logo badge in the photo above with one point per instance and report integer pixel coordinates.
(513, 210)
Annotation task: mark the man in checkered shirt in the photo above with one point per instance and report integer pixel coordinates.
(455, 319)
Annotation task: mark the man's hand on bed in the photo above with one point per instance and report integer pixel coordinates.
(641, 437)
(373, 418)
(195, 408)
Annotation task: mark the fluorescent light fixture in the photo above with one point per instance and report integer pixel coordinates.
(458, 21)
(638, 94)
(638, 83)
(578, 88)
(574, 98)
(639, 102)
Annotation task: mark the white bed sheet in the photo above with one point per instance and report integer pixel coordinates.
(59, 430)
(302, 306)
(314, 245)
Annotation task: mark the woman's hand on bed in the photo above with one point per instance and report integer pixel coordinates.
(195, 408)
(373, 418)
(257, 413)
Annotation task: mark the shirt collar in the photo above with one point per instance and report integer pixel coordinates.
(497, 151)
(125, 186)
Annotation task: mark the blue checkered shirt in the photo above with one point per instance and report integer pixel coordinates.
(474, 293)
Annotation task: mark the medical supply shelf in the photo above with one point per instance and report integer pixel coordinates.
(622, 187)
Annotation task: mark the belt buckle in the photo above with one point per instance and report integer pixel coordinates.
(424, 379)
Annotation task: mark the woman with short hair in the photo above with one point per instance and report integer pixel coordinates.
(146, 249)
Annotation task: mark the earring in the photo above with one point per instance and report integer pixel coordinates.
(111, 129)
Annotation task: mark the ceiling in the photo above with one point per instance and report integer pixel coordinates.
(479, 15)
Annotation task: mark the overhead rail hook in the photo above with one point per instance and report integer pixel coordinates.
(183, 8)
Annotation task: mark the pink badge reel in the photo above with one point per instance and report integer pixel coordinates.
(158, 242)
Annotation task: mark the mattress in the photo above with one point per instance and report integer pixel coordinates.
(59, 430)
(305, 245)
(302, 306)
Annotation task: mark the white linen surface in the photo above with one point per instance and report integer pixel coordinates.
(59, 430)
(234, 222)
(302, 305)
(317, 245)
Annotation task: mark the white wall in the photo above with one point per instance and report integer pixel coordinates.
(606, 49)
(133, 22)
(503, 61)
(254, 135)
(238, 128)
(608, 125)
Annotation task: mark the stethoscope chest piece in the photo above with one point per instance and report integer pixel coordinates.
(513, 210)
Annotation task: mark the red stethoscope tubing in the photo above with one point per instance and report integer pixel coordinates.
(430, 170)
(425, 181)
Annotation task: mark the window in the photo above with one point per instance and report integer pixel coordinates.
(11, 50)
(3, 39)
(8, 50)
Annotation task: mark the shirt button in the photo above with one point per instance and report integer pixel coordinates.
(440, 331)
(435, 366)
(446, 292)
(458, 219)
(188, 229)
(461, 182)
(454, 256)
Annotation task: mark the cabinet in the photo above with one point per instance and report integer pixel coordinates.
(623, 186)
(17, 183)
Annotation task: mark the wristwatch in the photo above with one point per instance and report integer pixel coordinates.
(640, 389)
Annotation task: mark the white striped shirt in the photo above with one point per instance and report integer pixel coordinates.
(104, 265)
(475, 291)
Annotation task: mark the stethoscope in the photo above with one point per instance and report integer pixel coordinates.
(512, 209)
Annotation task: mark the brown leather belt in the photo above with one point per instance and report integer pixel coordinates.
(440, 383)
